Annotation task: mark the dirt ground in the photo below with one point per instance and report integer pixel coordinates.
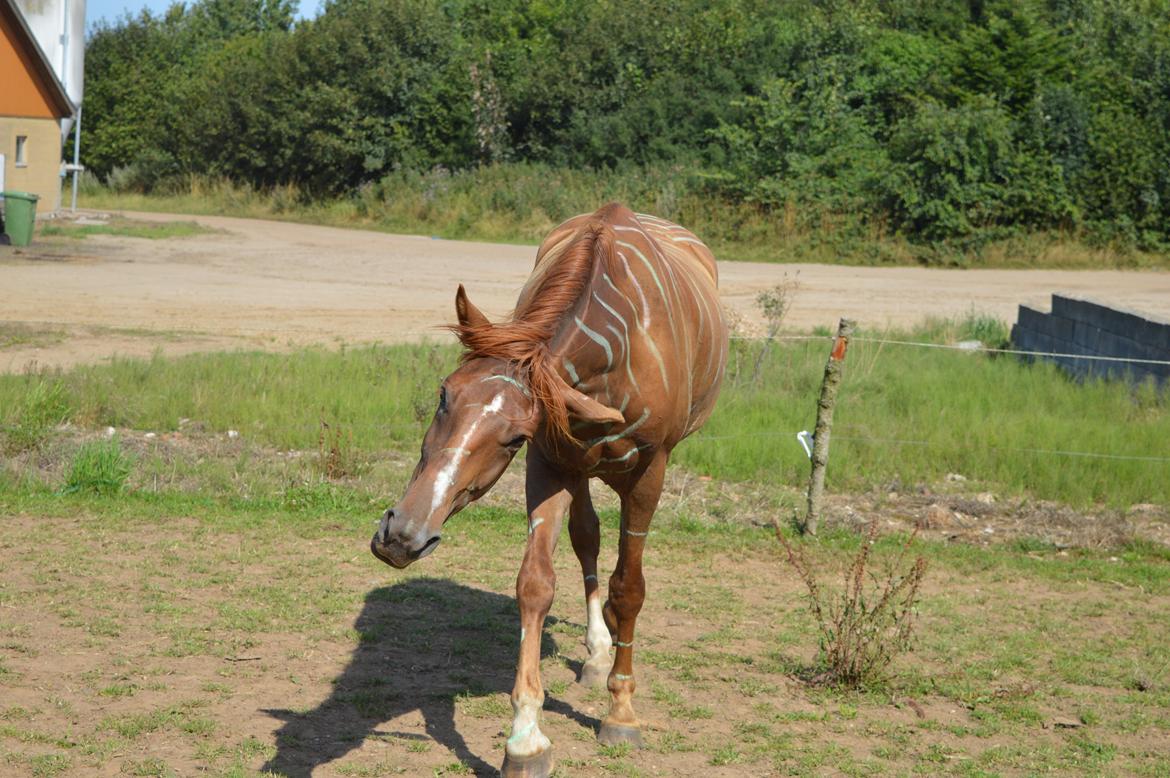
(169, 666)
(253, 283)
(227, 645)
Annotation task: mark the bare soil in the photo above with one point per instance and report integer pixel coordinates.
(165, 663)
(267, 284)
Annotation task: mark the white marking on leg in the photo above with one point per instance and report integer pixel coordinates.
(526, 738)
(597, 639)
(532, 525)
(446, 476)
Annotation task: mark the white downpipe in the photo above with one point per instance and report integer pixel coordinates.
(77, 168)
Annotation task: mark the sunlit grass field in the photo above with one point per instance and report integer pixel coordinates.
(904, 416)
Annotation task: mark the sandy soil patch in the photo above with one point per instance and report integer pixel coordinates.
(266, 284)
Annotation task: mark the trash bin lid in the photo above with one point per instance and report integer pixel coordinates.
(20, 195)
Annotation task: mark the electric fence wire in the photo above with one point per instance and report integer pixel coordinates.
(955, 347)
(869, 440)
(439, 331)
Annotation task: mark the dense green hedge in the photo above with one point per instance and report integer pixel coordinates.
(950, 123)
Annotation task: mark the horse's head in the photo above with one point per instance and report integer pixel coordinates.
(485, 414)
(488, 408)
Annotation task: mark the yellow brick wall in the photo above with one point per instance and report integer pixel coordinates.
(42, 175)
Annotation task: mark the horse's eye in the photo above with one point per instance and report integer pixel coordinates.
(516, 442)
(442, 399)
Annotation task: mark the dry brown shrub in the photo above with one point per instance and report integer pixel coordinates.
(868, 621)
(335, 452)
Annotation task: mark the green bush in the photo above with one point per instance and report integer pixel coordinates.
(98, 467)
(949, 123)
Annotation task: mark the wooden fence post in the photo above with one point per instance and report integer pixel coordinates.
(820, 452)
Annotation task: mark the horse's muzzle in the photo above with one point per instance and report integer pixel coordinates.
(394, 546)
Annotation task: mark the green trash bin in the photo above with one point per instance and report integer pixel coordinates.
(20, 214)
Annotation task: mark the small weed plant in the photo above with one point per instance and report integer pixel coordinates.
(869, 621)
(99, 467)
(335, 452)
(774, 303)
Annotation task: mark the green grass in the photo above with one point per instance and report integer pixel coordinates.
(521, 202)
(905, 416)
(129, 228)
(379, 394)
(98, 467)
(41, 407)
(910, 416)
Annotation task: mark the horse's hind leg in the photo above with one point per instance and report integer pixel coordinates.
(627, 590)
(585, 532)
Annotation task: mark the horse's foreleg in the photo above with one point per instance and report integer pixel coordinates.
(627, 590)
(585, 532)
(528, 752)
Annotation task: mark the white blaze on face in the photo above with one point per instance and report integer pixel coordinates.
(446, 476)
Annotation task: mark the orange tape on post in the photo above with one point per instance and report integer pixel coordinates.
(839, 349)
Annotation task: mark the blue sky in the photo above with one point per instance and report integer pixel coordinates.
(115, 9)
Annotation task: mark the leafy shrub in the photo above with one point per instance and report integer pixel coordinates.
(869, 620)
(947, 122)
(98, 467)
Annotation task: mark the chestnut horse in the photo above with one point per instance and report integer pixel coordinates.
(614, 353)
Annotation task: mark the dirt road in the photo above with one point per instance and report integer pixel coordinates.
(255, 283)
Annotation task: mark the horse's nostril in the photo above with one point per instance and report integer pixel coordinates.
(428, 547)
(384, 527)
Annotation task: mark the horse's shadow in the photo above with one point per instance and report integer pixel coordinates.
(424, 643)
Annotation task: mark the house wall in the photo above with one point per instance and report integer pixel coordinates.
(26, 108)
(42, 175)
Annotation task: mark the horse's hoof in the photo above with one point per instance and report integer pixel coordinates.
(594, 675)
(535, 766)
(616, 734)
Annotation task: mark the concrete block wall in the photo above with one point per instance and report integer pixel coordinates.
(1089, 328)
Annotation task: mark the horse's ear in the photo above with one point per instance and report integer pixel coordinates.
(584, 408)
(469, 315)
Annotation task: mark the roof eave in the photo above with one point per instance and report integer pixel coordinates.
(57, 91)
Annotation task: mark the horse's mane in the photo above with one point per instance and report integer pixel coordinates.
(523, 339)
